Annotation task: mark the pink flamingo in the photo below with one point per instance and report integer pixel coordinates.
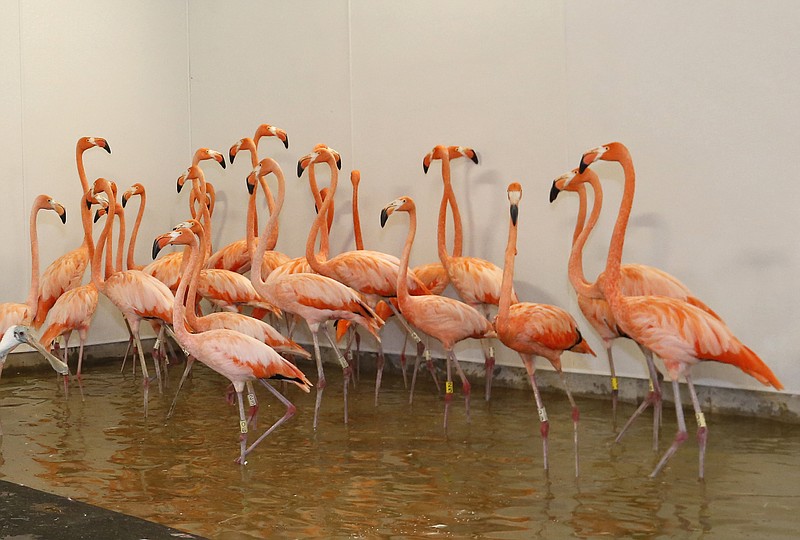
(235, 356)
(12, 313)
(66, 272)
(678, 332)
(136, 294)
(636, 280)
(536, 330)
(371, 273)
(313, 297)
(477, 281)
(234, 256)
(442, 318)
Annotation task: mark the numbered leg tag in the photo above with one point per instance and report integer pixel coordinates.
(243, 426)
(491, 351)
(448, 387)
(251, 399)
(427, 355)
(415, 337)
(157, 344)
(701, 420)
(650, 385)
(614, 383)
(542, 415)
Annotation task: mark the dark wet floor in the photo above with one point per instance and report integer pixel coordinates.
(391, 472)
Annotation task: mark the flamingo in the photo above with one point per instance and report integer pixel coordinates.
(313, 297)
(12, 313)
(477, 281)
(536, 330)
(235, 256)
(136, 294)
(66, 272)
(75, 309)
(371, 273)
(445, 319)
(636, 280)
(680, 333)
(238, 322)
(235, 356)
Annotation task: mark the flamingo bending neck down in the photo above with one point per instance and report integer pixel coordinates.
(236, 356)
(442, 318)
(536, 329)
(681, 334)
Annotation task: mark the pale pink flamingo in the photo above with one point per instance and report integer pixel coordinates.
(681, 334)
(12, 313)
(66, 272)
(536, 330)
(315, 298)
(445, 319)
(476, 280)
(136, 294)
(372, 273)
(235, 356)
(636, 280)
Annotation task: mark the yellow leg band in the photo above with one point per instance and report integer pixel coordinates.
(542, 415)
(243, 426)
(701, 420)
(448, 387)
(251, 399)
(650, 385)
(614, 383)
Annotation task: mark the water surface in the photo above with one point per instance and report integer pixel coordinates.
(392, 472)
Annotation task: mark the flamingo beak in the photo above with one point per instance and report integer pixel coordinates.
(97, 216)
(514, 213)
(384, 217)
(554, 191)
(180, 184)
(300, 169)
(339, 163)
(107, 148)
(474, 157)
(286, 141)
(250, 187)
(221, 159)
(63, 215)
(231, 156)
(159, 243)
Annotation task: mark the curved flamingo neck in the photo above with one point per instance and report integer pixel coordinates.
(199, 188)
(117, 267)
(33, 293)
(448, 197)
(317, 260)
(258, 257)
(613, 263)
(79, 150)
(402, 282)
(192, 274)
(97, 276)
(181, 299)
(576, 274)
(131, 264)
(359, 239)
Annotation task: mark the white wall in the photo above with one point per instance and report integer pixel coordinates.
(704, 96)
(117, 71)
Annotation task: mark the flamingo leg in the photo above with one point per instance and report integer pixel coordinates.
(346, 370)
(702, 429)
(242, 430)
(448, 390)
(187, 369)
(357, 337)
(290, 412)
(653, 398)
(414, 376)
(614, 382)
(320, 376)
(465, 386)
(544, 423)
(429, 362)
(575, 418)
(379, 373)
(253, 402)
(145, 376)
(680, 436)
(403, 361)
(488, 355)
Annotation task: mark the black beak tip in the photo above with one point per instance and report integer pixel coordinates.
(474, 157)
(124, 201)
(231, 157)
(222, 162)
(300, 169)
(286, 142)
(63, 217)
(424, 168)
(554, 191)
(582, 167)
(96, 216)
(88, 204)
(514, 213)
(339, 164)
(107, 148)
(156, 249)
(180, 186)
(250, 187)
(384, 217)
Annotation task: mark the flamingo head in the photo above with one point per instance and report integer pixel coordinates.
(438, 152)
(266, 130)
(48, 203)
(320, 154)
(355, 177)
(514, 196)
(182, 236)
(455, 152)
(135, 189)
(401, 204)
(85, 143)
(614, 151)
(242, 144)
(206, 153)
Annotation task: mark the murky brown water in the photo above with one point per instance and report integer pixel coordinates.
(391, 472)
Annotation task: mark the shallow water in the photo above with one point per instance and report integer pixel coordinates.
(391, 473)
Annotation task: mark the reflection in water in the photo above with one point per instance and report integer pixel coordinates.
(391, 472)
